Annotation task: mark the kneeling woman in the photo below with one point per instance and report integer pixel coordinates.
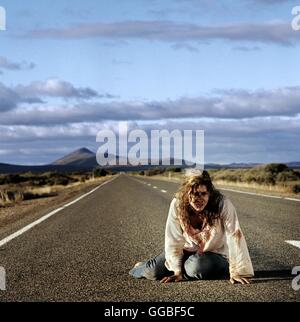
(203, 238)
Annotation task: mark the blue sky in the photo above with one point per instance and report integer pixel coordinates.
(69, 69)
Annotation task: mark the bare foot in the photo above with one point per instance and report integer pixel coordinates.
(137, 264)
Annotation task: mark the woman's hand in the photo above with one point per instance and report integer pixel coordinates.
(173, 278)
(239, 279)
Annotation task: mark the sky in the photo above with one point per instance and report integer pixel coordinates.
(71, 68)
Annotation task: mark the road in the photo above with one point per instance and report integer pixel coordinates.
(84, 252)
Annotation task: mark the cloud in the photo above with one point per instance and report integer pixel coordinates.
(279, 33)
(228, 129)
(10, 99)
(245, 48)
(13, 66)
(251, 140)
(53, 87)
(185, 47)
(233, 128)
(223, 104)
(40, 132)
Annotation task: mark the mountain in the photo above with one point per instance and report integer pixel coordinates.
(293, 164)
(85, 160)
(14, 168)
(79, 160)
(82, 158)
(242, 165)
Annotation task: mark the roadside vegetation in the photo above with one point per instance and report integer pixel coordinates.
(275, 177)
(15, 188)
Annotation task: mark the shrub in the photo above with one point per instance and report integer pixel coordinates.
(155, 171)
(99, 172)
(173, 169)
(276, 167)
(269, 174)
(296, 188)
(12, 179)
(288, 175)
(11, 196)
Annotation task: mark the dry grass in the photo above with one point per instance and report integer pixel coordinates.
(55, 188)
(13, 194)
(15, 215)
(280, 189)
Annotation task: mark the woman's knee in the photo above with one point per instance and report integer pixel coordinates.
(205, 266)
(193, 267)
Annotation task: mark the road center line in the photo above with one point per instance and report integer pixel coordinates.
(295, 243)
(155, 187)
(35, 223)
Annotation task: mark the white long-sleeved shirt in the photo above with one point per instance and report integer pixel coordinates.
(225, 238)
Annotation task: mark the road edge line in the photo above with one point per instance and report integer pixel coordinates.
(45, 217)
(295, 243)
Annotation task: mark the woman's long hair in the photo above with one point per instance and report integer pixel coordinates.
(212, 210)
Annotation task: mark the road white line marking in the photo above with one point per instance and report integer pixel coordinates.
(295, 243)
(28, 227)
(250, 193)
(294, 199)
(149, 184)
(259, 194)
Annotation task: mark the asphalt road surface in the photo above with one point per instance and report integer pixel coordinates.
(84, 252)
